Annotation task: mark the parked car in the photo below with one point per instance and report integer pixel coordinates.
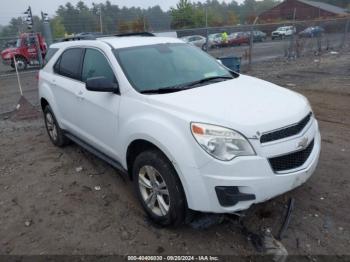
(238, 38)
(312, 31)
(258, 36)
(214, 40)
(283, 32)
(188, 132)
(196, 40)
(25, 51)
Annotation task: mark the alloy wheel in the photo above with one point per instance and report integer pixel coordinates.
(154, 190)
(51, 126)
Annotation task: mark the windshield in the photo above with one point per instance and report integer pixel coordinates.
(161, 66)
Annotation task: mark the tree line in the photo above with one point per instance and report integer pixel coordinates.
(70, 19)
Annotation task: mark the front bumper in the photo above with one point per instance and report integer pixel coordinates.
(252, 176)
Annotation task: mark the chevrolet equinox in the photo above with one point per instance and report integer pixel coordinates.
(190, 133)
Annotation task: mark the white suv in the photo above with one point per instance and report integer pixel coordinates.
(190, 133)
(282, 32)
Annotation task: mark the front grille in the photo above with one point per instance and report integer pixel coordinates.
(291, 161)
(286, 132)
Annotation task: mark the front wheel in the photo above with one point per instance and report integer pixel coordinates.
(21, 63)
(159, 189)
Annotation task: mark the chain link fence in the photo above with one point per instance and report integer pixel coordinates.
(5, 43)
(253, 43)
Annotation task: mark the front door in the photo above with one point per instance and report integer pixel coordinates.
(98, 111)
(32, 50)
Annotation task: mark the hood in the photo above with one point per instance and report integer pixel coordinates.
(9, 50)
(246, 104)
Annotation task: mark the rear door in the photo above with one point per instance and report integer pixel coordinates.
(67, 85)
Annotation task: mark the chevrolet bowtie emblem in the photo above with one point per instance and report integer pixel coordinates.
(303, 143)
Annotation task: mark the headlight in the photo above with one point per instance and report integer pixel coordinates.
(220, 142)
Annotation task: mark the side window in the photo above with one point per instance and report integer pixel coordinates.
(31, 40)
(69, 64)
(95, 64)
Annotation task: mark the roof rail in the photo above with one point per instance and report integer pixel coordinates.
(135, 34)
(75, 38)
(89, 36)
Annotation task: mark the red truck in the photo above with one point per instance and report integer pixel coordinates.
(25, 51)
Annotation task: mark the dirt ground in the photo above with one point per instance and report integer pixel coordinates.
(66, 201)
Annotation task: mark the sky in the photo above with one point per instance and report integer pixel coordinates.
(15, 8)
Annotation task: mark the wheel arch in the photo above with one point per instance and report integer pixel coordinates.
(135, 148)
(47, 98)
(43, 103)
(17, 56)
(138, 146)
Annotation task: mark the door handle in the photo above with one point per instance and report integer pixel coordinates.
(80, 95)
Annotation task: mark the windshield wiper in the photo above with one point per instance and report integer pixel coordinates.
(207, 79)
(162, 90)
(184, 86)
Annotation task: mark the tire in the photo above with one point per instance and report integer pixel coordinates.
(156, 182)
(204, 47)
(21, 63)
(54, 131)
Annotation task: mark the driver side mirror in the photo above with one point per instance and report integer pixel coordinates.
(101, 84)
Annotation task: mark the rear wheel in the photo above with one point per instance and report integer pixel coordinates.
(159, 188)
(54, 131)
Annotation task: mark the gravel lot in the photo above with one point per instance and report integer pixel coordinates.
(49, 206)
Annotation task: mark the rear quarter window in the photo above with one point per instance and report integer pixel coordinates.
(70, 62)
(49, 54)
